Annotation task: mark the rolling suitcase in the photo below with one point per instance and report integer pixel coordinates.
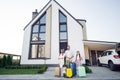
(72, 65)
(81, 71)
(57, 72)
(68, 72)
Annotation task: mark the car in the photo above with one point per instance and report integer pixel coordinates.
(111, 58)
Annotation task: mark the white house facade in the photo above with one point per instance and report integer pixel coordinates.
(50, 30)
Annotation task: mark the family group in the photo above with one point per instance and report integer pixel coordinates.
(67, 57)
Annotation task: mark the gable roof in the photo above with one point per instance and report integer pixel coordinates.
(58, 5)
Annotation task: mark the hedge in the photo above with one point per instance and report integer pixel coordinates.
(26, 67)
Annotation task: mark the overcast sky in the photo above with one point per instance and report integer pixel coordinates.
(103, 19)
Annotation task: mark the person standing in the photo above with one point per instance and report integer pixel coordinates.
(78, 58)
(69, 55)
(61, 60)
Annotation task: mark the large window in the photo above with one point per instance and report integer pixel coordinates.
(62, 26)
(63, 31)
(37, 44)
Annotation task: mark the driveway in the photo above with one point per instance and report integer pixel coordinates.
(99, 73)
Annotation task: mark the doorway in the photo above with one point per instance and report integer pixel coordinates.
(93, 56)
(63, 45)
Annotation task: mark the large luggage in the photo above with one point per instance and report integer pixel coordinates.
(81, 71)
(72, 65)
(68, 72)
(57, 71)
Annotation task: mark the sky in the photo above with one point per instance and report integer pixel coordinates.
(102, 16)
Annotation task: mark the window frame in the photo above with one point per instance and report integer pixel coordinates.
(63, 23)
(37, 42)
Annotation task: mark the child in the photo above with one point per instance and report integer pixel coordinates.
(61, 58)
(78, 58)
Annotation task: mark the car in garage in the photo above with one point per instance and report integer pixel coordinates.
(111, 58)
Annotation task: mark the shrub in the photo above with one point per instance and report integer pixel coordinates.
(87, 69)
(9, 60)
(1, 64)
(27, 67)
(4, 62)
(42, 69)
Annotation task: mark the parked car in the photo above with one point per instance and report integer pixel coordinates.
(111, 58)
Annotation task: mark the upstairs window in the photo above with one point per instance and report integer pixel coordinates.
(39, 29)
(37, 44)
(62, 26)
(62, 17)
(63, 39)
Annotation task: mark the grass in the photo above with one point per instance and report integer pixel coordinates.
(4, 71)
(18, 71)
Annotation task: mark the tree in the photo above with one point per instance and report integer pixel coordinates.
(4, 63)
(1, 64)
(9, 60)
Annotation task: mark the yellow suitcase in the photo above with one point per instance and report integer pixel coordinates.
(69, 72)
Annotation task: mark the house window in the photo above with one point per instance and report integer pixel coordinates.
(63, 39)
(37, 44)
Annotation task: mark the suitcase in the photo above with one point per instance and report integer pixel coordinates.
(68, 72)
(81, 71)
(72, 65)
(57, 71)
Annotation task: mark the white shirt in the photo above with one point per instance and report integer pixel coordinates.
(78, 57)
(61, 61)
(68, 54)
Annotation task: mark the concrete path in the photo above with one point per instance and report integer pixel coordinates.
(99, 73)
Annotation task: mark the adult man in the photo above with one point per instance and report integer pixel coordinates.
(69, 55)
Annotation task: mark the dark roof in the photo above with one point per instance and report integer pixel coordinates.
(9, 54)
(61, 7)
(81, 20)
(100, 41)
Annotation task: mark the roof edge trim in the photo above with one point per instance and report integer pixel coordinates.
(37, 15)
(69, 13)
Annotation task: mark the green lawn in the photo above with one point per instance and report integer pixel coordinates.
(18, 71)
(23, 70)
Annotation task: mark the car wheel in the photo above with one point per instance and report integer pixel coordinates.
(99, 64)
(111, 65)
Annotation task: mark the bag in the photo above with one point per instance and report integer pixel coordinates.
(67, 62)
(81, 71)
(72, 65)
(57, 71)
(68, 72)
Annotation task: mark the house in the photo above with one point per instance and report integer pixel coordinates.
(15, 58)
(52, 29)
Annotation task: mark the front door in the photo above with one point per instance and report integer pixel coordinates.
(93, 55)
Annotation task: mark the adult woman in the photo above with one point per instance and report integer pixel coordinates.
(61, 58)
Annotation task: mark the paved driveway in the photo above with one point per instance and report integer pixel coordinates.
(99, 73)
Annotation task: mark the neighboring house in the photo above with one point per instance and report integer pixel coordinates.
(52, 29)
(15, 58)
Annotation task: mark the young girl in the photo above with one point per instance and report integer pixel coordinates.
(78, 58)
